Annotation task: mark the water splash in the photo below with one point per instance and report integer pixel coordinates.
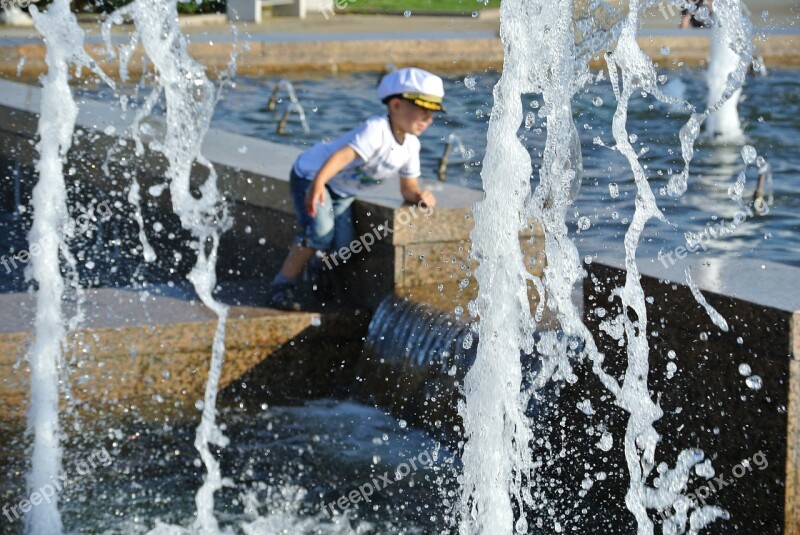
(453, 140)
(637, 75)
(294, 105)
(733, 31)
(712, 312)
(496, 453)
(731, 43)
(190, 99)
(64, 39)
(541, 55)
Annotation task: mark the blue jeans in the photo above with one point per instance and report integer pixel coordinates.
(332, 228)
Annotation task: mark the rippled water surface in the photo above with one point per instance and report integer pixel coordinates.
(283, 464)
(770, 112)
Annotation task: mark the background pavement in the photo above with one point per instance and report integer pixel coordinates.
(352, 42)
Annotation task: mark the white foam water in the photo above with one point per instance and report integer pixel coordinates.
(496, 453)
(190, 98)
(51, 223)
(712, 312)
(733, 32)
(730, 43)
(541, 57)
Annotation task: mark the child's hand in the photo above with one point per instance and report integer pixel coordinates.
(427, 199)
(314, 195)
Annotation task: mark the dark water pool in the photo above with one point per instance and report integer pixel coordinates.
(284, 468)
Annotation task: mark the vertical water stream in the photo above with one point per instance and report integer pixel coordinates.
(541, 57)
(190, 99)
(64, 39)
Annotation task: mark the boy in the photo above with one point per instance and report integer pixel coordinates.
(325, 178)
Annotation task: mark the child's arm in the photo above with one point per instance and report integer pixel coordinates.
(411, 191)
(337, 161)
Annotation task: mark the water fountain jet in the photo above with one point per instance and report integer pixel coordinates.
(547, 61)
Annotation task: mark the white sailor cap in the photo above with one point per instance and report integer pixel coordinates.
(416, 85)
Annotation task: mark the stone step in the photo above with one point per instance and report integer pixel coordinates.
(151, 351)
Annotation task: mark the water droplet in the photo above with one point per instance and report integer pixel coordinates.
(585, 407)
(469, 82)
(407, 13)
(587, 259)
(605, 442)
(459, 310)
(754, 382)
(749, 154)
(704, 336)
(597, 101)
(744, 369)
(530, 120)
(467, 341)
(614, 215)
(665, 50)
(671, 354)
(705, 469)
(474, 14)
(671, 369)
(315, 321)
(613, 190)
(403, 424)
(632, 138)
(584, 223)
(199, 404)
(243, 149)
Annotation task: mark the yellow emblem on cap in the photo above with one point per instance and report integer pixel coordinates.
(429, 102)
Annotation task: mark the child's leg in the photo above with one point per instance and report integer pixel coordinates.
(343, 231)
(316, 233)
(296, 261)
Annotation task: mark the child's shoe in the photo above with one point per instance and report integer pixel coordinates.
(283, 297)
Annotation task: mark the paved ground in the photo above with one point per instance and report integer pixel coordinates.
(347, 42)
(781, 16)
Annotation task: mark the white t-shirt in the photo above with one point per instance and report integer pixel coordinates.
(380, 157)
